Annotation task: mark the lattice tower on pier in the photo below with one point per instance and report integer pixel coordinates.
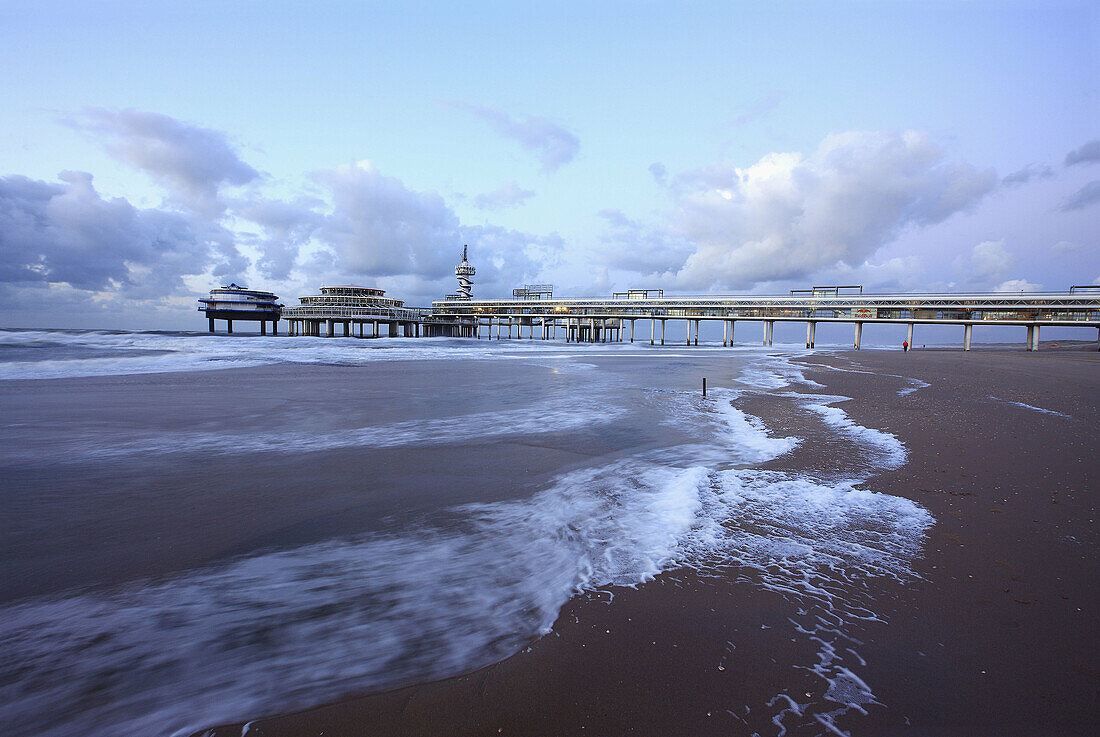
(464, 272)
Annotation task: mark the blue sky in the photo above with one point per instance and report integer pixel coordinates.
(699, 147)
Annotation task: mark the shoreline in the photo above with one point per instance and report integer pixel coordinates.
(963, 646)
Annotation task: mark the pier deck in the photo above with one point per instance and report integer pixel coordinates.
(600, 320)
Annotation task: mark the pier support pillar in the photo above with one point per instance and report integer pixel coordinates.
(859, 334)
(811, 333)
(274, 327)
(263, 327)
(733, 324)
(229, 326)
(689, 332)
(968, 331)
(909, 335)
(725, 332)
(211, 324)
(696, 332)
(632, 330)
(663, 332)
(653, 325)
(330, 326)
(1035, 338)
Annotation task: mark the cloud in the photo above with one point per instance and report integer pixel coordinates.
(381, 228)
(632, 246)
(990, 260)
(192, 163)
(507, 258)
(509, 194)
(1064, 247)
(1017, 285)
(1085, 197)
(761, 107)
(66, 232)
(1027, 174)
(287, 226)
(1088, 153)
(787, 215)
(659, 172)
(552, 144)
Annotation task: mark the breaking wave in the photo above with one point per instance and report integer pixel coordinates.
(467, 585)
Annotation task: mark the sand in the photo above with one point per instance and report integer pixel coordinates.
(999, 636)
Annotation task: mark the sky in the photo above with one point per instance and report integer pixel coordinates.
(152, 151)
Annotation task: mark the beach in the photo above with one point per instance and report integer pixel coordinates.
(997, 637)
(453, 537)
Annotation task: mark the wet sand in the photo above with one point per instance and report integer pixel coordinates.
(998, 637)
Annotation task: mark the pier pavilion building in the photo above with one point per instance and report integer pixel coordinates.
(353, 307)
(240, 303)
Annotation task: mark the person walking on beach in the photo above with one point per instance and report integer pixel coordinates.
(905, 346)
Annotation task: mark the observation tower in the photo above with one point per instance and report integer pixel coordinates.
(465, 284)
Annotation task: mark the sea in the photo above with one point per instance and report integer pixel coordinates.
(203, 529)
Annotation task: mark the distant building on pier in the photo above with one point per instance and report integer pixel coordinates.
(350, 306)
(240, 303)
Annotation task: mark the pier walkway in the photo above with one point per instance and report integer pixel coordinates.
(602, 320)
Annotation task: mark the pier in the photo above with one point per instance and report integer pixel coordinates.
(599, 320)
(533, 311)
(242, 304)
(365, 312)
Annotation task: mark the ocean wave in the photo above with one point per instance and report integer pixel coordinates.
(466, 585)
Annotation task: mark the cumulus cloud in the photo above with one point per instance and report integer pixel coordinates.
(506, 258)
(287, 226)
(192, 163)
(1031, 172)
(66, 232)
(1064, 247)
(789, 215)
(380, 227)
(1088, 153)
(552, 144)
(1017, 285)
(634, 246)
(1087, 196)
(508, 194)
(989, 260)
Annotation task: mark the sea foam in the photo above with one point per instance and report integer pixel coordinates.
(470, 584)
